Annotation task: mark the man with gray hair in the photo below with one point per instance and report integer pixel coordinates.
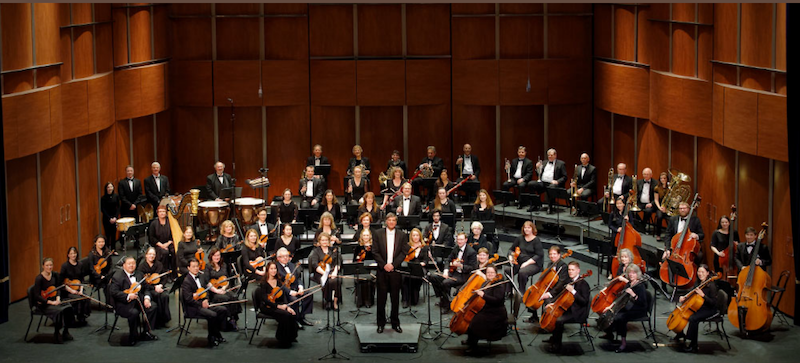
(156, 186)
(217, 181)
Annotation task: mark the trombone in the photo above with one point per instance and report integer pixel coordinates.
(633, 198)
(574, 191)
(609, 189)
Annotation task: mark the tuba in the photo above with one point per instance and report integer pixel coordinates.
(679, 191)
(632, 199)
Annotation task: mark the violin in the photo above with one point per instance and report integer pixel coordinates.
(361, 255)
(412, 253)
(453, 267)
(692, 302)
(135, 288)
(325, 261)
(631, 239)
(154, 279)
(750, 311)
(259, 262)
(608, 294)
(289, 279)
(200, 255)
(230, 247)
(73, 284)
(515, 255)
(222, 281)
(562, 303)
(684, 248)
(51, 291)
(201, 294)
(463, 317)
(533, 295)
(102, 263)
(275, 294)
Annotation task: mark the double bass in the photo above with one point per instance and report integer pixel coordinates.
(631, 239)
(680, 316)
(684, 248)
(727, 262)
(750, 310)
(562, 303)
(533, 295)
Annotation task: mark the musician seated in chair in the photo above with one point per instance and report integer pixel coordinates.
(677, 224)
(395, 162)
(462, 261)
(709, 295)
(558, 266)
(443, 203)
(432, 162)
(317, 158)
(520, 172)
(621, 184)
(437, 232)
(468, 167)
(131, 304)
(50, 304)
(587, 178)
(197, 306)
(744, 251)
(262, 226)
(634, 309)
(578, 311)
(160, 295)
(357, 160)
(311, 189)
(489, 323)
(552, 174)
(407, 204)
(217, 270)
(287, 268)
(645, 195)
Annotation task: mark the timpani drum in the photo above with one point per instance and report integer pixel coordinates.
(124, 223)
(245, 209)
(213, 213)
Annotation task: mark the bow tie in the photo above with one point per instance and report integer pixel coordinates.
(683, 219)
(130, 179)
(130, 276)
(263, 225)
(435, 227)
(406, 198)
(751, 244)
(619, 177)
(647, 182)
(550, 162)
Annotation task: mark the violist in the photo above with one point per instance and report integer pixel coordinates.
(151, 266)
(51, 306)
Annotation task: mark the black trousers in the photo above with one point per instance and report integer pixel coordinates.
(411, 287)
(388, 283)
(216, 317)
(131, 311)
(558, 331)
(457, 280)
(701, 314)
(306, 307)
(524, 274)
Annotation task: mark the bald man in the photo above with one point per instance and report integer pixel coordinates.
(156, 186)
(645, 194)
(217, 181)
(621, 183)
(587, 177)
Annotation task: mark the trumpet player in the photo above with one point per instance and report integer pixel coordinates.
(645, 194)
(586, 178)
(468, 166)
(520, 171)
(407, 204)
(621, 184)
(316, 158)
(552, 174)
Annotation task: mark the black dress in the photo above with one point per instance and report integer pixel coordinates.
(334, 233)
(364, 160)
(486, 214)
(186, 251)
(358, 189)
(332, 287)
(413, 282)
(528, 250)
(161, 299)
(292, 247)
(365, 295)
(61, 315)
(250, 255)
(481, 242)
(100, 280)
(161, 233)
(109, 208)
(287, 325)
(719, 240)
(490, 322)
(82, 308)
(287, 212)
(223, 241)
(335, 211)
(375, 213)
(215, 273)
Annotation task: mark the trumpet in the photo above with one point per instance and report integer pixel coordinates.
(574, 191)
(609, 189)
(508, 169)
(632, 199)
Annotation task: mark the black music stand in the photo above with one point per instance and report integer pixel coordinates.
(603, 249)
(351, 213)
(505, 197)
(135, 231)
(590, 210)
(301, 254)
(270, 246)
(552, 195)
(408, 222)
(376, 225)
(307, 215)
(533, 200)
(298, 229)
(357, 268)
(675, 269)
(322, 170)
(230, 257)
(175, 287)
(470, 188)
(428, 184)
(449, 219)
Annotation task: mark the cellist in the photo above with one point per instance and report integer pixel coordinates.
(744, 251)
(719, 240)
(709, 308)
(625, 257)
(636, 307)
(578, 311)
(677, 224)
(557, 265)
(490, 322)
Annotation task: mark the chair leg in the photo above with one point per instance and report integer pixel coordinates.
(29, 328)
(113, 326)
(725, 334)
(589, 337)
(516, 331)
(186, 324)
(650, 333)
(255, 330)
(40, 323)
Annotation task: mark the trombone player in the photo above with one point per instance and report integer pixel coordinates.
(586, 178)
(620, 184)
(645, 194)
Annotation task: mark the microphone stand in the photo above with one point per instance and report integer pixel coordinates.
(237, 224)
(334, 354)
(338, 311)
(428, 334)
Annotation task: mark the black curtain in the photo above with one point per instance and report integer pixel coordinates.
(793, 128)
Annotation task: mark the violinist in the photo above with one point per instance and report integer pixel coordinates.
(477, 239)
(363, 252)
(618, 219)
(483, 259)
(217, 270)
(483, 208)
(250, 253)
(719, 240)
(625, 257)
(678, 223)
(364, 224)
(71, 270)
(61, 315)
(369, 206)
(287, 241)
(531, 253)
(196, 305)
(709, 308)
(418, 253)
(744, 251)
(327, 225)
(159, 235)
(636, 307)
(261, 225)
(394, 184)
(100, 251)
(131, 305)
(357, 186)
(330, 205)
(389, 252)
(277, 306)
(438, 233)
(331, 291)
(490, 322)
(227, 235)
(578, 312)
(287, 268)
(462, 261)
(557, 265)
(287, 209)
(187, 249)
(158, 293)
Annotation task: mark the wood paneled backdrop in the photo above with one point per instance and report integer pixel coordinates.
(102, 98)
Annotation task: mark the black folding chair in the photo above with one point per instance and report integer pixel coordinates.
(34, 312)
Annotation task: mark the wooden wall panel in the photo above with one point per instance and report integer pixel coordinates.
(286, 38)
(780, 84)
(569, 37)
(601, 158)
(237, 38)
(191, 39)
(570, 132)
(716, 174)
(679, 103)
(334, 128)
(83, 52)
(725, 74)
(48, 77)
(473, 38)
(81, 13)
(23, 224)
(772, 128)
(286, 8)
(17, 82)
(718, 115)
(376, 141)
(381, 83)
(781, 232)
(102, 12)
(56, 119)
(140, 36)
(143, 144)
(513, 80)
(780, 39)
(57, 194)
(475, 82)
(520, 126)
(236, 9)
(624, 33)
(154, 82)
(237, 80)
(725, 32)
(47, 32)
(427, 124)
(123, 147)
(623, 143)
(683, 11)
(621, 89)
(247, 147)
(521, 8)
(568, 8)
(569, 81)
(127, 93)
(658, 43)
(17, 36)
(643, 36)
(683, 154)
(288, 133)
(602, 32)
(755, 79)
(705, 49)
(190, 9)
(100, 94)
(191, 83)
(522, 37)
(330, 30)
(161, 32)
(333, 83)
(75, 110)
(683, 51)
(428, 29)
(754, 179)
(109, 171)
(164, 141)
(380, 30)
(104, 49)
(756, 34)
(65, 46)
(475, 125)
(199, 148)
(739, 111)
(652, 145)
(88, 191)
(427, 81)
(29, 111)
(476, 8)
(285, 82)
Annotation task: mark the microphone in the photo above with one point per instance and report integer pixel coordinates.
(528, 87)
(260, 92)
(230, 100)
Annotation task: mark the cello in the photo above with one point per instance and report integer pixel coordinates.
(607, 317)
(608, 294)
(474, 282)
(463, 317)
(680, 316)
(562, 303)
(684, 248)
(749, 311)
(631, 239)
(533, 295)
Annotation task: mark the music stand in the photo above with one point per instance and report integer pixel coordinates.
(428, 184)
(355, 269)
(503, 196)
(449, 219)
(228, 193)
(470, 188)
(230, 257)
(175, 287)
(675, 269)
(270, 246)
(552, 195)
(603, 249)
(351, 213)
(298, 229)
(134, 232)
(322, 170)
(590, 209)
(376, 225)
(408, 222)
(307, 215)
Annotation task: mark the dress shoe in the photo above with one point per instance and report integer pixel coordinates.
(471, 351)
(444, 310)
(221, 339)
(306, 322)
(380, 329)
(679, 336)
(57, 338)
(549, 340)
(405, 304)
(131, 341)
(397, 328)
(464, 342)
(146, 336)
(67, 336)
(300, 326)
(212, 342)
(691, 348)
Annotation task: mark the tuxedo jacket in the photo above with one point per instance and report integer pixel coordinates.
(188, 288)
(652, 193)
(580, 307)
(527, 169)
(319, 188)
(214, 187)
(672, 229)
(120, 282)
(436, 163)
(470, 259)
(152, 192)
(322, 160)
(563, 276)
(400, 164)
(589, 179)
(295, 271)
(445, 234)
(627, 185)
(130, 196)
(380, 246)
(414, 206)
(476, 165)
(559, 172)
(743, 258)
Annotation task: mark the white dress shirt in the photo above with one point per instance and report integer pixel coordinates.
(389, 245)
(310, 188)
(518, 173)
(468, 165)
(645, 192)
(618, 185)
(549, 169)
(406, 205)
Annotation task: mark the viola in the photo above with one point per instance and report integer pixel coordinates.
(463, 317)
(73, 284)
(631, 239)
(726, 262)
(562, 303)
(51, 291)
(200, 255)
(259, 262)
(680, 316)
(102, 263)
(154, 279)
(684, 248)
(361, 255)
(533, 295)
(608, 294)
(289, 279)
(222, 281)
(515, 256)
(412, 253)
(275, 294)
(750, 311)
